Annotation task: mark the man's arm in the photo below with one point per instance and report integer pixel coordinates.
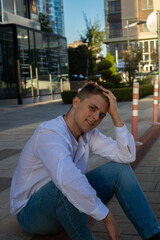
(111, 227)
(57, 156)
(113, 111)
(109, 220)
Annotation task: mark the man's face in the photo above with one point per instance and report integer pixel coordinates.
(89, 112)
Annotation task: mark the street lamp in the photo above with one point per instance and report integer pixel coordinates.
(158, 33)
(132, 25)
(153, 25)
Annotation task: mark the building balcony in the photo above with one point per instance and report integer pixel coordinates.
(115, 33)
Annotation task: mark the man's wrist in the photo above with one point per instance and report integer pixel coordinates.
(105, 219)
(117, 121)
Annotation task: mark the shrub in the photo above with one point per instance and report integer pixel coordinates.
(106, 73)
(93, 78)
(115, 79)
(122, 94)
(123, 85)
(107, 85)
(104, 64)
(145, 81)
(146, 90)
(67, 96)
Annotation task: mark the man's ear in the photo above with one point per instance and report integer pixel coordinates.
(76, 102)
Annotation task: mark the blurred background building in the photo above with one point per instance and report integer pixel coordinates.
(125, 22)
(32, 63)
(54, 11)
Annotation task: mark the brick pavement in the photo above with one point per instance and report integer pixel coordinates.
(17, 123)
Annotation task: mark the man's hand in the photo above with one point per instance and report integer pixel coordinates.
(111, 227)
(113, 111)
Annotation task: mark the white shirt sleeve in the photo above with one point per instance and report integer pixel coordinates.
(56, 155)
(121, 150)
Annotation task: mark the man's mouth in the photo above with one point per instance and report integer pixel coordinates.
(89, 122)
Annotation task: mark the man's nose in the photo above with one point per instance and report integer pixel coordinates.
(96, 116)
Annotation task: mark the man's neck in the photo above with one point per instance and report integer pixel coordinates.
(68, 118)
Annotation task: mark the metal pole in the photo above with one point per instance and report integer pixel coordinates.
(2, 11)
(32, 90)
(155, 102)
(127, 34)
(50, 79)
(116, 54)
(37, 84)
(135, 104)
(19, 84)
(61, 84)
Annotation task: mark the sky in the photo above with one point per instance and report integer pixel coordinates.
(74, 18)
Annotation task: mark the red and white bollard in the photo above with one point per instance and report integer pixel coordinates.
(155, 103)
(135, 111)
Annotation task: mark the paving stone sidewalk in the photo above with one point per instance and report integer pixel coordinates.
(17, 124)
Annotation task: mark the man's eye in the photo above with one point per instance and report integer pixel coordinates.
(91, 108)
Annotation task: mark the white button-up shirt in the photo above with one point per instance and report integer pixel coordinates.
(52, 153)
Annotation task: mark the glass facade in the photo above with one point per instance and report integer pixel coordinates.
(41, 64)
(53, 9)
(114, 7)
(17, 7)
(23, 54)
(21, 8)
(8, 83)
(8, 6)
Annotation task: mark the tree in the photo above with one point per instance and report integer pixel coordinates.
(132, 57)
(104, 68)
(154, 57)
(110, 58)
(77, 58)
(94, 37)
(44, 23)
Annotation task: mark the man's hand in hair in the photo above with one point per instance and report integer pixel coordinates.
(113, 110)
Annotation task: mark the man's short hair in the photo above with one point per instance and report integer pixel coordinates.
(92, 88)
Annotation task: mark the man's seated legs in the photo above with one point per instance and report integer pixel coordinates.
(119, 179)
(48, 211)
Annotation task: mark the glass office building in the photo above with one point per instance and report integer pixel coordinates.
(32, 63)
(53, 9)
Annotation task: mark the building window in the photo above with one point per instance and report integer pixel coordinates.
(151, 46)
(24, 57)
(114, 7)
(146, 57)
(115, 29)
(146, 47)
(21, 8)
(147, 4)
(140, 45)
(8, 81)
(8, 6)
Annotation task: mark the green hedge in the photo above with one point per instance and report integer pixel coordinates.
(67, 96)
(122, 94)
(107, 85)
(146, 90)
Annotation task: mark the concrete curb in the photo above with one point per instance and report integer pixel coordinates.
(147, 140)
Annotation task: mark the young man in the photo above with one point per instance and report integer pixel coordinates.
(51, 189)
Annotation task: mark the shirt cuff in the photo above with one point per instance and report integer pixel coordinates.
(100, 212)
(121, 131)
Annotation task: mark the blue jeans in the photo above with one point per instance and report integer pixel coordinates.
(48, 211)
